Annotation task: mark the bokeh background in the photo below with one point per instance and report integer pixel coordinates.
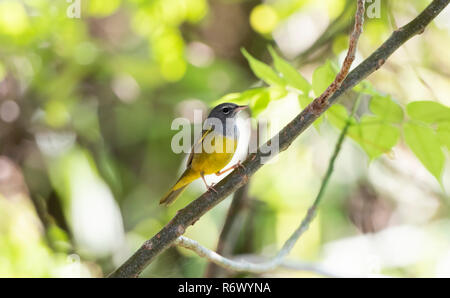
(86, 106)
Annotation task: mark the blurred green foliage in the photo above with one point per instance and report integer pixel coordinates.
(86, 106)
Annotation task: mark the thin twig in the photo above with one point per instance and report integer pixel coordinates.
(321, 102)
(289, 264)
(241, 263)
(196, 209)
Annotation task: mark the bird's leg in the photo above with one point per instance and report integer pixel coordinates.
(209, 187)
(237, 165)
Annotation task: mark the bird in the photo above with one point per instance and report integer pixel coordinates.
(212, 152)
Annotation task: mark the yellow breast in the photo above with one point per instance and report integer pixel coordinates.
(217, 152)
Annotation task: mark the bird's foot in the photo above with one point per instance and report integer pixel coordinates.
(239, 165)
(211, 187)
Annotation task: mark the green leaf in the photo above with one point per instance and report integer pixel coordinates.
(323, 76)
(240, 98)
(428, 111)
(340, 44)
(443, 132)
(337, 115)
(425, 144)
(367, 88)
(277, 93)
(258, 100)
(290, 74)
(263, 71)
(386, 108)
(230, 97)
(374, 135)
(304, 100)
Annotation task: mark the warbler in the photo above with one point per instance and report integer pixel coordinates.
(212, 152)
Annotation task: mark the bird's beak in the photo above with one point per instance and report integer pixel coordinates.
(240, 108)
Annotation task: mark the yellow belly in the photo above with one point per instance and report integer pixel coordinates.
(212, 162)
(208, 162)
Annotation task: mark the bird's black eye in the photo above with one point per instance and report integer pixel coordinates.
(225, 110)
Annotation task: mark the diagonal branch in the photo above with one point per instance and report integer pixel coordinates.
(242, 265)
(192, 212)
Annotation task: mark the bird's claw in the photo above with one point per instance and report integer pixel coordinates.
(239, 165)
(211, 187)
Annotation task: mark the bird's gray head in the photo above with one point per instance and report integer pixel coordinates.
(225, 110)
(225, 114)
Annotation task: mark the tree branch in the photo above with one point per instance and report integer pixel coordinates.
(289, 264)
(289, 244)
(242, 263)
(192, 212)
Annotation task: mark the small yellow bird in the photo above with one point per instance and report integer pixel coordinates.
(212, 152)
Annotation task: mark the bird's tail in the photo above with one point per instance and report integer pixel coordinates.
(188, 176)
(171, 196)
